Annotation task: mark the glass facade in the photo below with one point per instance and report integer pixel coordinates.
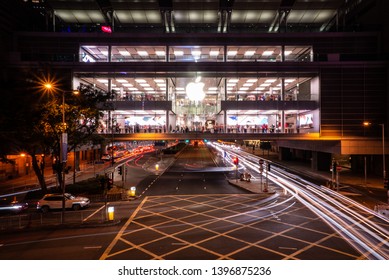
(246, 103)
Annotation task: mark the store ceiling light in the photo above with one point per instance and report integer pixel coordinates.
(124, 53)
(249, 53)
(143, 53)
(267, 53)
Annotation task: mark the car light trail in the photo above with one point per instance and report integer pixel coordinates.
(364, 229)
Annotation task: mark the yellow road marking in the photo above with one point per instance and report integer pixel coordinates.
(117, 237)
(98, 210)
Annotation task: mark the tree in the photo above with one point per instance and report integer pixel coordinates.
(31, 118)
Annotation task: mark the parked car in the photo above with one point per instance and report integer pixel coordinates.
(54, 201)
(12, 207)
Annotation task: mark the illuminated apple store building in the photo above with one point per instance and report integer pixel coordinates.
(303, 74)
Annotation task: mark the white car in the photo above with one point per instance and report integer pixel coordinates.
(54, 201)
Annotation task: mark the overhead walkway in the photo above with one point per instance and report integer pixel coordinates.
(213, 136)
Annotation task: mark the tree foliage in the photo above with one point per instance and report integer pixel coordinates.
(31, 118)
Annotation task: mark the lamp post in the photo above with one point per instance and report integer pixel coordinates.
(63, 146)
(383, 148)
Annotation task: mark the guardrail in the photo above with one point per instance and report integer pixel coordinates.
(53, 218)
(36, 219)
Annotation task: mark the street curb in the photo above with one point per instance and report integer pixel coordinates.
(63, 226)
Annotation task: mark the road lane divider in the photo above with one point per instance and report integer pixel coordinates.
(91, 215)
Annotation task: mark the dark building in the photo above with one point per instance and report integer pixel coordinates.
(303, 74)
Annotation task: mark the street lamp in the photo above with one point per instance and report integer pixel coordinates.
(383, 147)
(63, 144)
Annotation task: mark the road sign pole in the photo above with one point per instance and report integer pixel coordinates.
(261, 172)
(337, 180)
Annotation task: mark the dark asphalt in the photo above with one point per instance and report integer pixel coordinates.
(184, 214)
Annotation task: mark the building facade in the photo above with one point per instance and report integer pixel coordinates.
(260, 69)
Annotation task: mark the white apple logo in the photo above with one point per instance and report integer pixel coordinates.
(194, 91)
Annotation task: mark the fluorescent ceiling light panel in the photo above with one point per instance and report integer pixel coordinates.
(143, 53)
(196, 53)
(122, 81)
(124, 53)
(286, 53)
(214, 53)
(267, 53)
(232, 53)
(102, 80)
(104, 53)
(233, 80)
(251, 80)
(179, 53)
(270, 80)
(160, 53)
(249, 53)
(140, 81)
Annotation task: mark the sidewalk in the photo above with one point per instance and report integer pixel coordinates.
(30, 181)
(350, 184)
(346, 177)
